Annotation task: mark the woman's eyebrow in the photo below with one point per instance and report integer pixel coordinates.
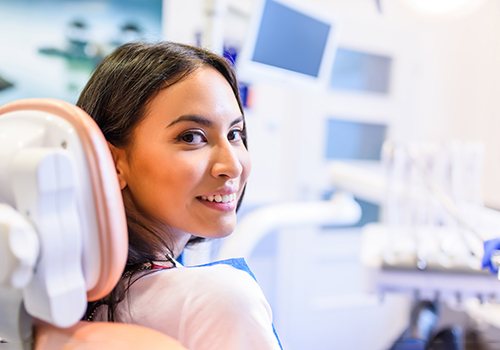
(200, 120)
(191, 118)
(236, 121)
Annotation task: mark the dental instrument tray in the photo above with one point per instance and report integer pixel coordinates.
(429, 263)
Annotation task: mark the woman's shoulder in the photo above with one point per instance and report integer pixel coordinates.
(224, 279)
(209, 281)
(198, 304)
(200, 289)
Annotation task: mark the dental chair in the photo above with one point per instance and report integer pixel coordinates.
(63, 233)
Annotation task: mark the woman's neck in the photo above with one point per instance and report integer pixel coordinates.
(180, 243)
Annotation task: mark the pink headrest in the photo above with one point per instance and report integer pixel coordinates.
(108, 203)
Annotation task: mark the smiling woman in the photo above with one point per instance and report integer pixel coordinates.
(174, 123)
(189, 145)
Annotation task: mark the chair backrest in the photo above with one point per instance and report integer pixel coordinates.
(57, 173)
(102, 335)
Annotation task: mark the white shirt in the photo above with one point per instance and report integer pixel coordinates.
(205, 308)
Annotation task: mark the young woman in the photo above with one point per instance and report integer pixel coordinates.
(175, 126)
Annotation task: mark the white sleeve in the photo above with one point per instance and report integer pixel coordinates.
(228, 311)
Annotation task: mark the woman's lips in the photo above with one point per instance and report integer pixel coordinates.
(221, 206)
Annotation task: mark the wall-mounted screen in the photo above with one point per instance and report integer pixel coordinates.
(359, 71)
(353, 140)
(287, 42)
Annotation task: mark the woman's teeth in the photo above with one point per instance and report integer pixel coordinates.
(226, 198)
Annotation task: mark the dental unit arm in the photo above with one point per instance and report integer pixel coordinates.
(341, 209)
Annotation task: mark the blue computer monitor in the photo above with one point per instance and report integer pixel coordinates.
(353, 140)
(360, 71)
(288, 42)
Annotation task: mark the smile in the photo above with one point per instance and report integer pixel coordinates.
(219, 198)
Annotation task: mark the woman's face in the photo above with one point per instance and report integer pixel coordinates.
(186, 164)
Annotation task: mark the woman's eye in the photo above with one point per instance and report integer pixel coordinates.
(235, 135)
(192, 137)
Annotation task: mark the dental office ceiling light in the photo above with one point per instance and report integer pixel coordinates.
(445, 7)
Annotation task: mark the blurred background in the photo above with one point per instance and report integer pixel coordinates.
(50, 47)
(367, 120)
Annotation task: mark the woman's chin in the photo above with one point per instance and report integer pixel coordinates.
(220, 232)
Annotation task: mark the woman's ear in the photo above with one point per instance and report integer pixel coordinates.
(120, 160)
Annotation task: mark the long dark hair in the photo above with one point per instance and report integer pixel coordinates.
(117, 97)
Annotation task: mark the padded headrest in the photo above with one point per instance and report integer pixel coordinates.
(105, 239)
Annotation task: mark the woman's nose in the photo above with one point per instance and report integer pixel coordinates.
(227, 162)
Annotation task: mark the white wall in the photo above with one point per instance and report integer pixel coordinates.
(456, 83)
(447, 73)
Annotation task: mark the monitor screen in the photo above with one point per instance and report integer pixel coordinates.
(288, 41)
(360, 71)
(353, 140)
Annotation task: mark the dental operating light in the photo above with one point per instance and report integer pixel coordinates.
(444, 7)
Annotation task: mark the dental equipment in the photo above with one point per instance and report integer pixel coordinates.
(46, 184)
(433, 258)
